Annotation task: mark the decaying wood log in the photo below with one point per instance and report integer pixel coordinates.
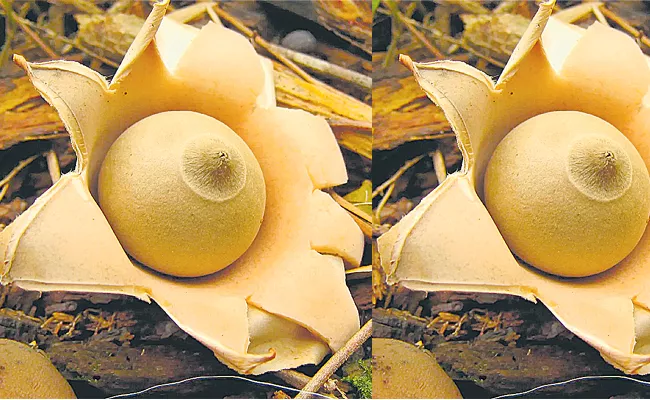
(533, 349)
(24, 114)
(118, 344)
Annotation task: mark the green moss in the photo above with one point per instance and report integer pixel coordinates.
(361, 378)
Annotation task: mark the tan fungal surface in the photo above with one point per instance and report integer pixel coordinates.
(402, 371)
(569, 193)
(27, 373)
(183, 193)
(281, 303)
(450, 241)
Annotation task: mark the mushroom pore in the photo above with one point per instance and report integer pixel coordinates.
(183, 193)
(569, 193)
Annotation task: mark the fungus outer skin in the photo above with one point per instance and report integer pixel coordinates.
(544, 217)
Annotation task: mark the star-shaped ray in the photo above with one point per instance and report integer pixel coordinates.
(284, 303)
(450, 242)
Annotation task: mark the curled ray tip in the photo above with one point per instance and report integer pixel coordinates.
(407, 62)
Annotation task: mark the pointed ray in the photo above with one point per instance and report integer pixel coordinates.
(466, 95)
(60, 83)
(86, 250)
(141, 41)
(462, 250)
(527, 41)
(293, 344)
(333, 232)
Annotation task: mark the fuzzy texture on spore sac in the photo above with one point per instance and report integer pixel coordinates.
(183, 193)
(401, 370)
(26, 373)
(569, 193)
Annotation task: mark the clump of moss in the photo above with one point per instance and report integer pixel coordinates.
(359, 375)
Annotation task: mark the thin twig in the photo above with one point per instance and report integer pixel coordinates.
(439, 165)
(48, 136)
(440, 35)
(349, 206)
(213, 16)
(366, 227)
(3, 190)
(53, 166)
(392, 47)
(340, 122)
(396, 175)
(47, 49)
(240, 26)
(464, 46)
(299, 380)
(383, 202)
(599, 15)
(293, 378)
(336, 361)
(17, 169)
(324, 67)
(64, 39)
(418, 35)
(625, 25)
(10, 28)
(362, 219)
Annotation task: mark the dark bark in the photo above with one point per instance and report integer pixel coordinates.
(528, 349)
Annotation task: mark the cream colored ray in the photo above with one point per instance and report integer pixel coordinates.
(528, 40)
(332, 228)
(449, 241)
(265, 132)
(78, 78)
(315, 136)
(461, 261)
(64, 242)
(141, 41)
(268, 331)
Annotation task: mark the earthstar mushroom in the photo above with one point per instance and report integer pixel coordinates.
(450, 240)
(283, 302)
